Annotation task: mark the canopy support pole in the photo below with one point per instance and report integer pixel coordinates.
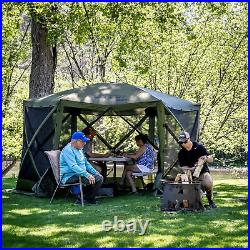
(90, 124)
(30, 154)
(149, 140)
(171, 132)
(98, 117)
(73, 123)
(161, 135)
(98, 135)
(58, 125)
(32, 140)
(131, 131)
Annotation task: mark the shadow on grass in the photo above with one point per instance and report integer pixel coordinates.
(33, 222)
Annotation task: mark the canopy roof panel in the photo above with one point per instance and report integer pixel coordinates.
(113, 94)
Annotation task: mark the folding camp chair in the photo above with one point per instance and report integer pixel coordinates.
(54, 156)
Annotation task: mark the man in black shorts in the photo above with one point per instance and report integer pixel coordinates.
(191, 156)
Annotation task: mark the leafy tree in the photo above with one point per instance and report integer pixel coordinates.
(197, 51)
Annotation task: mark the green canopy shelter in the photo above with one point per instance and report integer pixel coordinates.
(45, 118)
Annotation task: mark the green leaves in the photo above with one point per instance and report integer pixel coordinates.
(197, 51)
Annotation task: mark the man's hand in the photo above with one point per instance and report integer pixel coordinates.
(210, 158)
(91, 179)
(201, 160)
(205, 158)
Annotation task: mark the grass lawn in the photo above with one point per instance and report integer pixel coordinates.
(33, 222)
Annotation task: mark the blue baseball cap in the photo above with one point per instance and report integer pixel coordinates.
(80, 136)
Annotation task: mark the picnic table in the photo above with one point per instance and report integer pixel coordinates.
(113, 159)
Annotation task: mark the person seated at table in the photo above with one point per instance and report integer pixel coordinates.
(144, 161)
(100, 166)
(73, 164)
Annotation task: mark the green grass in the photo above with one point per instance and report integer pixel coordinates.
(33, 222)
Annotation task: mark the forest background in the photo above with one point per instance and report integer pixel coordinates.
(196, 51)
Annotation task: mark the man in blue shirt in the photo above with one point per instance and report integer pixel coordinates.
(73, 164)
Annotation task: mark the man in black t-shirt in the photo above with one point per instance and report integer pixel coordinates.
(191, 156)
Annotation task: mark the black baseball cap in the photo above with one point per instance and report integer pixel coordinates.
(183, 137)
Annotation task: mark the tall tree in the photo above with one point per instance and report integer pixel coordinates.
(44, 57)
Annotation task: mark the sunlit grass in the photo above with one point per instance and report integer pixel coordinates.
(33, 222)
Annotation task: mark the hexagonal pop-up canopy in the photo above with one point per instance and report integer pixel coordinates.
(45, 117)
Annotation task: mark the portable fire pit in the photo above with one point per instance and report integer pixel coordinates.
(181, 196)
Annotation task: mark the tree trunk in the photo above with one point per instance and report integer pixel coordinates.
(43, 61)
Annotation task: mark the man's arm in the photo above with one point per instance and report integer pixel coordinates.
(206, 157)
(203, 159)
(89, 168)
(187, 168)
(200, 164)
(70, 160)
(94, 155)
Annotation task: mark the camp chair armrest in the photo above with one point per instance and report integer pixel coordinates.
(75, 174)
(60, 180)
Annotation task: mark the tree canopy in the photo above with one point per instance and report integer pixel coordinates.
(196, 51)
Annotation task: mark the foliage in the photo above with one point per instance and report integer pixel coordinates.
(197, 51)
(13, 126)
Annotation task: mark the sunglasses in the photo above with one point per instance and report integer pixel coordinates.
(183, 142)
